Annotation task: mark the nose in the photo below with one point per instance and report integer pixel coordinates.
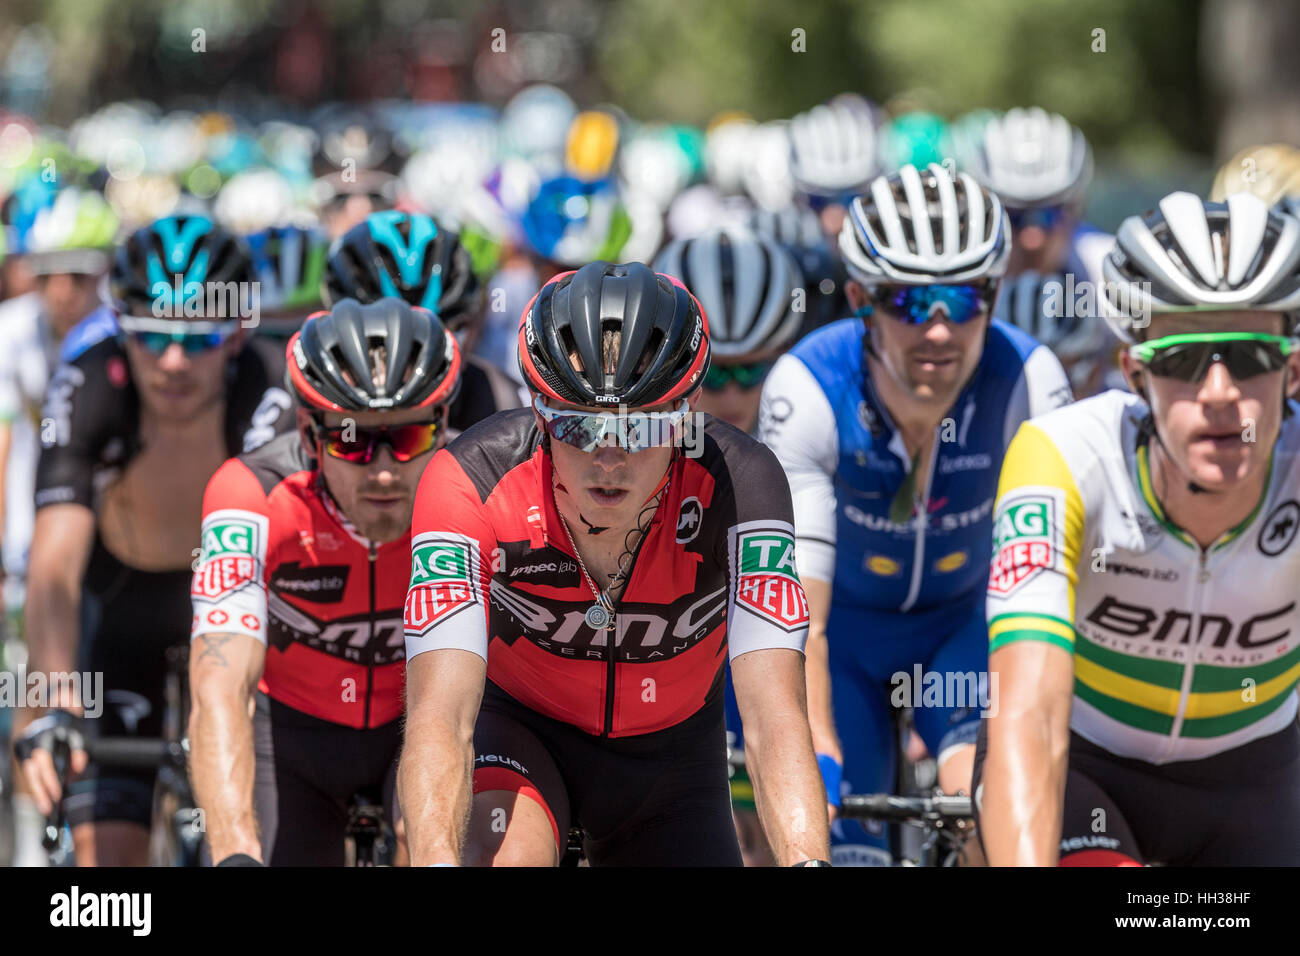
(1219, 385)
(174, 358)
(938, 330)
(383, 466)
(609, 456)
(1031, 238)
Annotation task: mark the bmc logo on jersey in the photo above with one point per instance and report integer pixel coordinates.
(444, 579)
(1022, 541)
(232, 545)
(768, 582)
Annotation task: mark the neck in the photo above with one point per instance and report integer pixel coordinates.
(157, 429)
(915, 419)
(1205, 516)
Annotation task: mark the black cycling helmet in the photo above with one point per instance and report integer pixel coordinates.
(408, 255)
(194, 248)
(638, 337)
(385, 355)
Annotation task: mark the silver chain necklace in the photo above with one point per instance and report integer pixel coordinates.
(600, 616)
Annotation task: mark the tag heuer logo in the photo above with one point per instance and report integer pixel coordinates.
(1022, 541)
(444, 580)
(769, 583)
(229, 536)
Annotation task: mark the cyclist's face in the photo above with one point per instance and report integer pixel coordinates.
(1219, 431)
(929, 362)
(378, 497)
(67, 298)
(175, 386)
(609, 486)
(1041, 248)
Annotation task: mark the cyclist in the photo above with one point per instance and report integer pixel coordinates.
(1141, 599)
(685, 553)
(1042, 304)
(290, 264)
(68, 248)
(297, 660)
(893, 501)
(833, 150)
(135, 425)
(749, 286)
(409, 255)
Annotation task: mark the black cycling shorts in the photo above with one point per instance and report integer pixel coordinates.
(1239, 808)
(657, 799)
(306, 774)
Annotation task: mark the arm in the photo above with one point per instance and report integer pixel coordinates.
(779, 754)
(443, 690)
(1039, 524)
(446, 627)
(61, 541)
(793, 422)
(1028, 745)
(226, 660)
(224, 671)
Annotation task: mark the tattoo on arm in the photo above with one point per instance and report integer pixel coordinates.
(214, 643)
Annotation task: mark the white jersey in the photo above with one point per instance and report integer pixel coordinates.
(1180, 652)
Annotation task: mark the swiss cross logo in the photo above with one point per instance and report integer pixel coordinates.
(1023, 542)
(444, 576)
(768, 583)
(218, 616)
(250, 621)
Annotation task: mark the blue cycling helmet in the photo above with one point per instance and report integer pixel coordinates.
(407, 256)
(574, 222)
(157, 265)
(290, 265)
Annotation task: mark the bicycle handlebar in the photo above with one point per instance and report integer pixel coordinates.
(886, 806)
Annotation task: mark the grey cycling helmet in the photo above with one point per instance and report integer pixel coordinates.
(833, 146)
(920, 227)
(384, 355)
(746, 284)
(1030, 157)
(1190, 254)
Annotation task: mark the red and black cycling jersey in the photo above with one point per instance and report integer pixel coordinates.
(283, 565)
(492, 572)
(90, 425)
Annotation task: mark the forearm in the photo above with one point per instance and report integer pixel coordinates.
(817, 671)
(1023, 790)
(788, 791)
(434, 788)
(222, 764)
(51, 623)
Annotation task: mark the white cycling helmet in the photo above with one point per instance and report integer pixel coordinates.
(745, 284)
(1030, 157)
(833, 147)
(917, 227)
(1190, 255)
(254, 200)
(766, 173)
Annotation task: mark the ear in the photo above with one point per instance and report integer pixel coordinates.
(305, 433)
(856, 293)
(1132, 371)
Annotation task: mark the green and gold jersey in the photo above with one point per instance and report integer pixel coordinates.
(1179, 652)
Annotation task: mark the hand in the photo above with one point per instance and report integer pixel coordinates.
(35, 751)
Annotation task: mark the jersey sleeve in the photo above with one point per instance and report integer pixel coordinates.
(1038, 532)
(766, 606)
(796, 421)
(228, 591)
(83, 413)
(1043, 386)
(452, 543)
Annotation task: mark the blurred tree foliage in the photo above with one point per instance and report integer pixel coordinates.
(688, 59)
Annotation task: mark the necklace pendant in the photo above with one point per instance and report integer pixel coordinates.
(598, 617)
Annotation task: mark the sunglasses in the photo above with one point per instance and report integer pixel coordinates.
(1187, 358)
(358, 446)
(746, 376)
(1046, 218)
(631, 431)
(914, 304)
(157, 335)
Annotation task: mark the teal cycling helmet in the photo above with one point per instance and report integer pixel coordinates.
(915, 138)
(409, 256)
(156, 264)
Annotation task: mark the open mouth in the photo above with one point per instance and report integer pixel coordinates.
(607, 496)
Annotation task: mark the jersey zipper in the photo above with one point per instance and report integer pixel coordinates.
(921, 510)
(1193, 650)
(370, 645)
